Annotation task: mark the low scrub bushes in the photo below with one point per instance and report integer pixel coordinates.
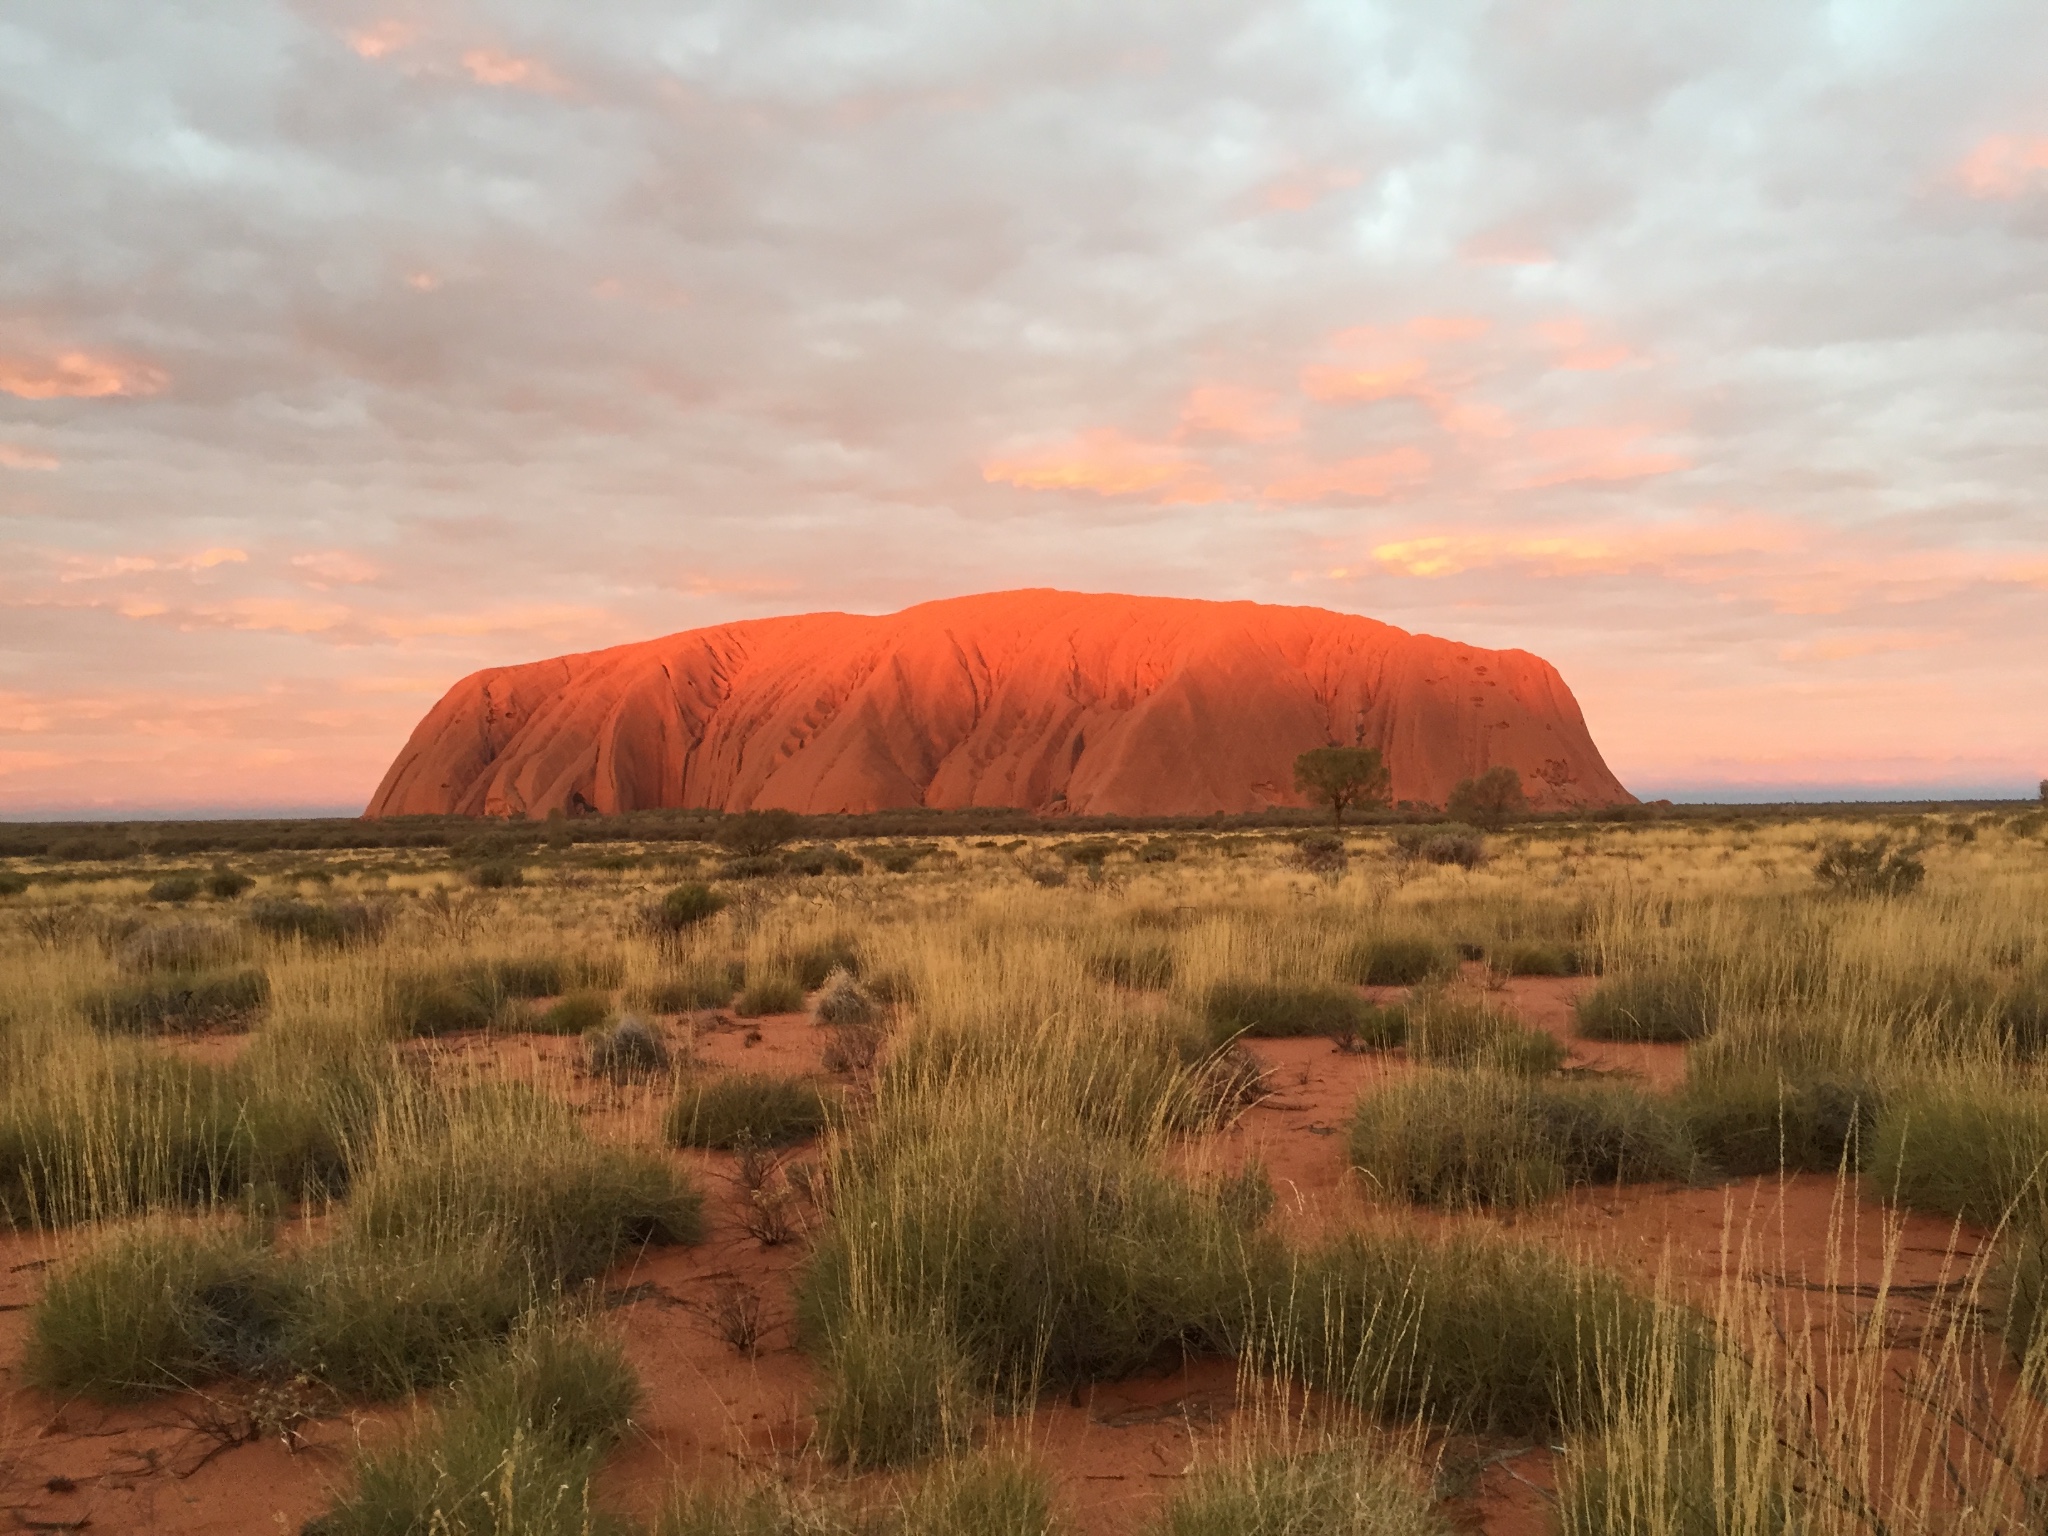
(985, 1494)
(1331, 1492)
(442, 1002)
(184, 945)
(225, 884)
(751, 1108)
(843, 1002)
(1450, 1031)
(180, 1003)
(335, 923)
(2023, 1273)
(513, 1452)
(1532, 957)
(1483, 1139)
(1275, 1009)
(1396, 961)
(1664, 1004)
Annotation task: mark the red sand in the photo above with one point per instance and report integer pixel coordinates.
(1041, 700)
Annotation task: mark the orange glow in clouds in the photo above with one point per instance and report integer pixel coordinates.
(487, 66)
(77, 375)
(1367, 478)
(386, 37)
(1253, 415)
(2003, 166)
(14, 456)
(1104, 461)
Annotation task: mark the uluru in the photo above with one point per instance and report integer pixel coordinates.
(1047, 701)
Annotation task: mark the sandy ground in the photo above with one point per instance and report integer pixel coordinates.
(190, 1464)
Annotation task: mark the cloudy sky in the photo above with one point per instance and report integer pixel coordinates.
(345, 349)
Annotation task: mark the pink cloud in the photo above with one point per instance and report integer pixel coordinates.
(383, 39)
(1252, 415)
(1576, 349)
(1565, 455)
(2003, 166)
(77, 375)
(1367, 478)
(14, 456)
(489, 66)
(335, 567)
(1106, 463)
(1305, 188)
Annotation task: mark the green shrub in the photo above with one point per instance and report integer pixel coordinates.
(770, 994)
(12, 884)
(1473, 1334)
(686, 906)
(180, 887)
(756, 834)
(824, 860)
(1752, 1119)
(180, 1003)
(1395, 961)
(1458, 1139)
(985, 1495)
(226, 884)
(724, 1112)
(1270, 1010)
(332, 923)
(1158, 850)
(1455, 1032)
(1668, 1004)
(1338, 1492)
(753, 866)
(528, 975)
(1323, 853)
(1135, 963)
(575, 1014)
(159, 1307)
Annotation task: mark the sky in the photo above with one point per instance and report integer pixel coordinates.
(346, 349)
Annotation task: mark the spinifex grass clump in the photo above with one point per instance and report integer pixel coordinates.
(1481, 1138)
(1448, 1030)
(511, 1455)
(333, 923)
(1972, 1145)
(1145, 964)
(1396, 960)
(752, 1108)
(698, 982)
(1017, 1246)
(985, 1493)
(163, 1305)
(1337, 1491)
(509, 1166)
(770, 995)
(92, 1130)
(572, 1015)
(180, 1002)
(1665, 1003)
(1275, 1009)
(1472, 1334)
(1751, 1118)
(629, 1051)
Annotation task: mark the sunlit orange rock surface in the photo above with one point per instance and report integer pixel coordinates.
(1050, 701)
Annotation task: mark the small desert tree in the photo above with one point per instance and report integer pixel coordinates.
(1341, 777)
(754, 834)
(1492, 800)
(2044, 791)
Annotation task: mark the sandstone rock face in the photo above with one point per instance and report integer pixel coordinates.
(1091, 704)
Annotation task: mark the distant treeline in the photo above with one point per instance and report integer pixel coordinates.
(74, 841)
